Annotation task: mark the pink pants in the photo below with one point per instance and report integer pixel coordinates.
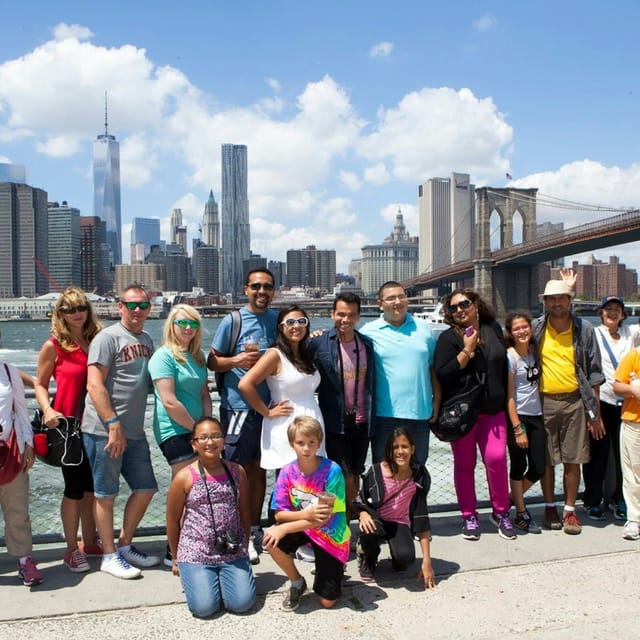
(490, 435)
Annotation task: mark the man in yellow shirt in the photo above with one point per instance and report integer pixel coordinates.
(569, 389)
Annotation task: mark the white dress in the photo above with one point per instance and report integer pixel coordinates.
(299, 389)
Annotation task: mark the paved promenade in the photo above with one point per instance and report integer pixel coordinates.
(539, 586)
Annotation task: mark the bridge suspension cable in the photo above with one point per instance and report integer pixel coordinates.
(561, 203)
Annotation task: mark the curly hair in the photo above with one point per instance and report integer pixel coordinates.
(170, 341)
(485, 311)
(69, 298)
(303, 361)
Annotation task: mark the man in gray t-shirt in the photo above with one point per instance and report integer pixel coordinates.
(113, 430)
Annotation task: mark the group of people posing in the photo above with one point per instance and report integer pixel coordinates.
(551, 391)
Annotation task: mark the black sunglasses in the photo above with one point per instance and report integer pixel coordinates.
(256, 286)
(137, 305)
(463, 304)
(81, 308)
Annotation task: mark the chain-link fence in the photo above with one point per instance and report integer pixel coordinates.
(47, 487)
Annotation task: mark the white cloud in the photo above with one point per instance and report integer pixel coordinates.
(377, 174)
(485, 22)
(59, 146)
(65, 31)
(350, 180)
(5, 160)
(273, 84)
(381, 50)
(432, 132)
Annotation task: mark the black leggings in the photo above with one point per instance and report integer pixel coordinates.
(532, 459)
(78, 480)
(400, 539)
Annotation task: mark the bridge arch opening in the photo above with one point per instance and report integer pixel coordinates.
(517, 222)
(496, 230)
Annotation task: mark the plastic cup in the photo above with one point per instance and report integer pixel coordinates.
(251, 345)
(327, 498)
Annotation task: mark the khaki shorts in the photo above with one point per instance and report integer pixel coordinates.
(565, 422)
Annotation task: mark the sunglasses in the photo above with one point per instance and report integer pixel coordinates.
(211, 437)
(183, 324)
(463, 304)
(256, 286)
(291, 322)
(137, 305)
(81, 308)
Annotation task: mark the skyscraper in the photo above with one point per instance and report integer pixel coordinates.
(64, 246)
(146, 231)
(236, 233)
(311, 267)
(211, 223)
(174, 225)
(106, 188)
(93, 234)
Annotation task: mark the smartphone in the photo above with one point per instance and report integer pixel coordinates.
(468, 331)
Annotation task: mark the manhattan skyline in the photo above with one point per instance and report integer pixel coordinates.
(345, 117)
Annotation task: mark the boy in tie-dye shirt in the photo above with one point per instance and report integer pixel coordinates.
(304, 516)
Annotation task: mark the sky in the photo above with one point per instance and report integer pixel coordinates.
(345, 107)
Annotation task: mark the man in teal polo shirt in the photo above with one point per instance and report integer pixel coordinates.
(407, 391)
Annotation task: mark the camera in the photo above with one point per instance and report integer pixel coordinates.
(533, 373)
(226, 542)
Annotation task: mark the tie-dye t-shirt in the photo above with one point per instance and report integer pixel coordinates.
(294, 491)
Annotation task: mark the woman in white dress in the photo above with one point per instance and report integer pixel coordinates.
(292, 380)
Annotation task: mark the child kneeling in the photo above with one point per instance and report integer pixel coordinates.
(309, 504)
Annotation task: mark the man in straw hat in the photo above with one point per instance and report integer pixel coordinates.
(569, 388)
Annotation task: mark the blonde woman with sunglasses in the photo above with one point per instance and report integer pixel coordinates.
(292, 380)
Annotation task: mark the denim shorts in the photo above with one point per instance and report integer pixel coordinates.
(134, 465)
(178, 448)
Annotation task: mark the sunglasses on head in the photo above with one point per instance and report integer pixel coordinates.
(137, 305)
(79, 309)
(256, 286)
(183, 323)
(463, 304)
(290, 322)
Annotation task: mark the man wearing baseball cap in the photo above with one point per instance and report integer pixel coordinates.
(569, 388)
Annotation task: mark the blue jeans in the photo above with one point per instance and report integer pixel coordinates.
(384, 426)
(208, 586)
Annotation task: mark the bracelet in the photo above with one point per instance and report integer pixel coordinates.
(111, 421)
(469, 354)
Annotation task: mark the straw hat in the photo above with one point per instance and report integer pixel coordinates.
(557, 288)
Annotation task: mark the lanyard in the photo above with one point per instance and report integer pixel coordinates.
(355, 394)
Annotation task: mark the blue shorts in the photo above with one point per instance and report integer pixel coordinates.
(242, 429)
(178, 448)
(134, 465)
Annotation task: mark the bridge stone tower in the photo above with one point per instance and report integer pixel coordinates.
(513, 286)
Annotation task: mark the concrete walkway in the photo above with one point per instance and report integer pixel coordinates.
(539, 586)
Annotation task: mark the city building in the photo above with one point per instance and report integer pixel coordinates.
(395, 259)
(174, 225)
(145, 231)
(254, 261)
(207, 268)
(312, 268)
(235, 227)
(23, 240)
(178, 273)
(446, 214)
(94, 275)
(279, 271)
(64, 246)
(211, 223)
(150, 276)
(106, 189)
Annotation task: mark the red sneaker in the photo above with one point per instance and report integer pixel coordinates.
(76, 561)
(93, 550)
(29, 573)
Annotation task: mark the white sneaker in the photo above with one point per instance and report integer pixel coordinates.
(254, 557)
(631, 531)
(306, 553)
(139, 558)
(118, 567)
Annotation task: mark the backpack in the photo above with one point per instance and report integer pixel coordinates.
(236, 327)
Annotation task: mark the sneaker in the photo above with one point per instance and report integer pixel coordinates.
(292, 600)
(167, 561)
(505, 528)
(93, 550)
(631, 531)
(551, 519)
(471, 528)
(29, 573)
(525, 522)
(595, 513)
(366, 569)
(76, 561)
(571, 524)
(306, 553)
(138, 558)
(252, 547)
(619, 510)
(118, 567)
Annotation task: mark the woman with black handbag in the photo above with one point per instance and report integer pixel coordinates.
(472, 353)
(16, 451)
(63, 357)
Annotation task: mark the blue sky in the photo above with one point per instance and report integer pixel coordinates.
(345, 106)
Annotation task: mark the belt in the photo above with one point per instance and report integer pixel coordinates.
(561, 396)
